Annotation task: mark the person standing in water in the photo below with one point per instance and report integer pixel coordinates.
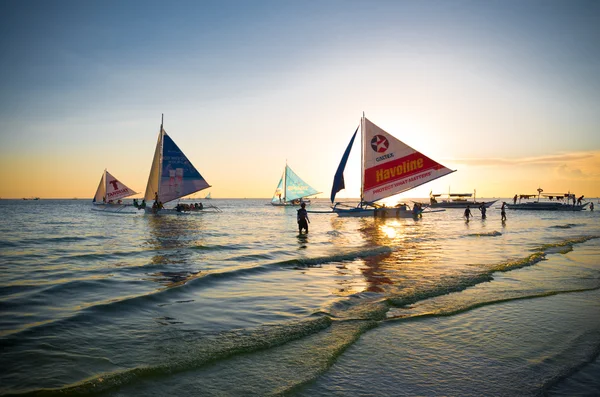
(303, 220)
(503, 211)
(483, 210)
(468, 212)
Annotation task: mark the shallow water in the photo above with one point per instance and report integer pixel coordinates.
(237, 303)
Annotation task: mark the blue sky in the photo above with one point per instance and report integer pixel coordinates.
(503, 91)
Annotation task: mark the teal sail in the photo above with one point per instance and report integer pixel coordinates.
(279, 195)
(291, 187)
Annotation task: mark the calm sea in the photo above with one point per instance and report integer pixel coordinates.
(237, 303)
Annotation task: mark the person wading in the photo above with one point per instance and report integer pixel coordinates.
(303, 220)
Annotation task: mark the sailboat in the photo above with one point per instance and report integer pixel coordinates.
(457, 200)
(208, 197)
(291, 189)
(172, 176)
(388, 167)
(109, 194)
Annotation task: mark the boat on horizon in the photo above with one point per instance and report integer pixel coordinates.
(457, 200)
(388, 167)
(292, 190)
(547, 202)
(172, 176)
(109, 194)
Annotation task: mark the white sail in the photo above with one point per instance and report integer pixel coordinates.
(390, 166)
(154, 177)
(100, 195)
(110, 188)
(115, 189)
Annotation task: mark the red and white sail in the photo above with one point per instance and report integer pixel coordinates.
(110, 188)
(390, 166)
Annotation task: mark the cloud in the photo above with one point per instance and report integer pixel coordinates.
(561, 160)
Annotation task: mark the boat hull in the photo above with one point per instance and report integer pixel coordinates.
(173, 211)
(289, 204)
(385, 212)
(537, 206)
(106, 207)
(462, 204)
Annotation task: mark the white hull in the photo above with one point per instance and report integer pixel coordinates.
(384, 212)
(105, 207)
(462, 204)
(541, 206)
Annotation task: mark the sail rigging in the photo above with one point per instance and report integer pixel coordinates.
(172, 175)
(388, 166)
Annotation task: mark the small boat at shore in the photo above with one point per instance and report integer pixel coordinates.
(109, 194)
(547, 202)
(457, 200)
(389, 167)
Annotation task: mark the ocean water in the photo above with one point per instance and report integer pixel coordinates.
(237, 303)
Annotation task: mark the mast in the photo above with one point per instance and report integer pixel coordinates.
(285, 182)
(161, 135)
(362, 160)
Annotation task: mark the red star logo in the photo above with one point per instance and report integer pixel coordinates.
(379, 143)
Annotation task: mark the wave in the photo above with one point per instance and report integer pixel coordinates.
(194, 356)
(565, 243)
(476, 305)
(567, 226)
(519, 263)
(488, 234)
(175, 281)
(217, 247)
(55, 240)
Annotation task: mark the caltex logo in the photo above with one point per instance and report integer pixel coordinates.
(379, 143)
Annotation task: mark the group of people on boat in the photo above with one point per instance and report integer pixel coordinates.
(111, 201)
(138, 205)
(180, 207)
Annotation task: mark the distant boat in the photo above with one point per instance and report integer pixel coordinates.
(292, 190)
(172, 176)
(389, 166)
(109, 194)
(208, 197)
(547, 202)
(457, 200)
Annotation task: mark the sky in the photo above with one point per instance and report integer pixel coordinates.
(507, 93)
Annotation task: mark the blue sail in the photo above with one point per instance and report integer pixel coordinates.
(295, 187)
(179, 177)
(338, 179)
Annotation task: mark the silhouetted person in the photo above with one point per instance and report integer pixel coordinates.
(303, 220)
(483, 210)
(503, 211)
(468, 212)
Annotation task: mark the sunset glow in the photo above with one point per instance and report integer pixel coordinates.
(505, 92)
